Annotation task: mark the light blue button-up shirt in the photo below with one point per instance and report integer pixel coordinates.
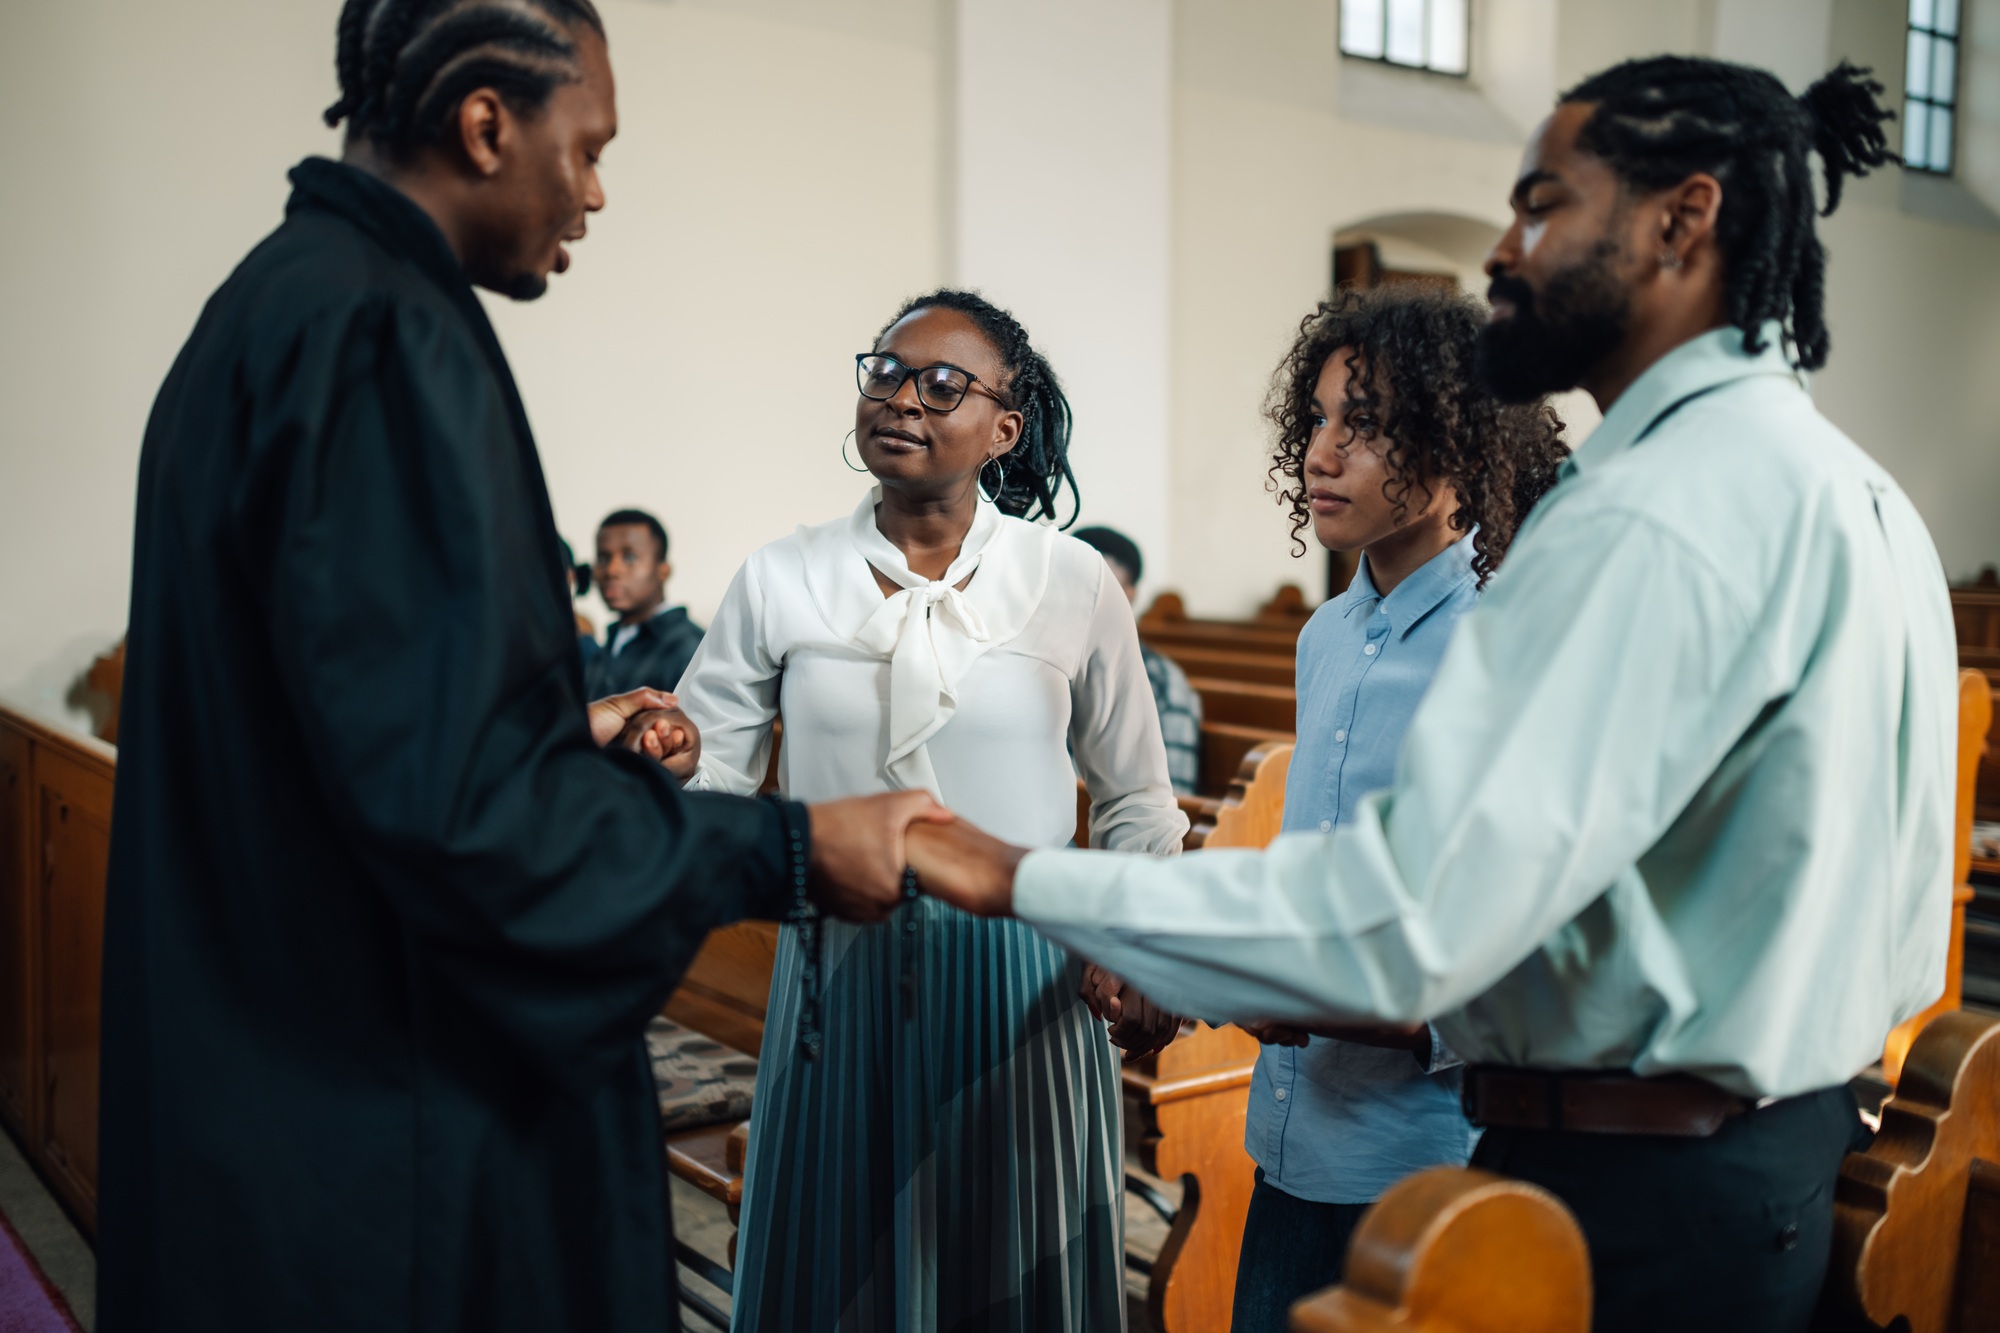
(1333, 1121)
(1680, 798)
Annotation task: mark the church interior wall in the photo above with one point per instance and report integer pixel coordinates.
(695, 361)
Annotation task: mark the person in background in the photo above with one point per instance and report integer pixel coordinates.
(1179, 705)
(651, 643)
(1387, 445)
(578, 578)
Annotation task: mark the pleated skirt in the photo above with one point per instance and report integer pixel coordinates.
(953, 1160)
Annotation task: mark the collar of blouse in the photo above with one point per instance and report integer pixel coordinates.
(930, 631)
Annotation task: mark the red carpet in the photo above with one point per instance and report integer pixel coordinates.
(28, 1302)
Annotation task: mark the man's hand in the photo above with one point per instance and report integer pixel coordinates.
(668, 737)
(1138, 1026)
(971, 870)
(858, 851)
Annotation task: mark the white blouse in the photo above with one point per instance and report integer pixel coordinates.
(970, 694)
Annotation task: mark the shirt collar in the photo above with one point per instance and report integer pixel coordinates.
(1708, 362)
(1421, 593)
(661, 618)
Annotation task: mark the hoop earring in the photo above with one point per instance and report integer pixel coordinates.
(999, 489)
(843, 453)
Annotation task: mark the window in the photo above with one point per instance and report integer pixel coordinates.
(1930, 84)
(1421, 34)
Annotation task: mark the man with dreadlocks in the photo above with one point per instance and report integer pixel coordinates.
(385, 925)
(1667, 851)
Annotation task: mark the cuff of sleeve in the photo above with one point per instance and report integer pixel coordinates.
(769, 893)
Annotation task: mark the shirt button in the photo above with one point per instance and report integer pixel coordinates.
(1326, 826)
(1340, 736)
(1281, 1094)
(1383, 610)
(1369, 651)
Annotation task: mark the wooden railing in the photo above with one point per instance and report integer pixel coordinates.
(55, 844)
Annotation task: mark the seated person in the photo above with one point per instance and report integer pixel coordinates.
(578, 578)
(1387, 446)
(1179, 705)
(651, 643)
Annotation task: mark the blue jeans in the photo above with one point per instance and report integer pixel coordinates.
(1291, 1249)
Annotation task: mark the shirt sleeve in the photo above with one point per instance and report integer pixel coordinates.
(730, 691)
(395, 528)
(1577, 711)
(1118, 748)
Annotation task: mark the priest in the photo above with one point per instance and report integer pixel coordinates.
(385, 924)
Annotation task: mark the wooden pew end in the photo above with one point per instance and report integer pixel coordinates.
(1458, 1250)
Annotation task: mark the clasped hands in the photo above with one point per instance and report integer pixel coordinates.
(861, 845)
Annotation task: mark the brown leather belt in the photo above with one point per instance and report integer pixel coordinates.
(1591, 1102)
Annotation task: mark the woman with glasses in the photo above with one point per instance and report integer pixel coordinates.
(935, 1142)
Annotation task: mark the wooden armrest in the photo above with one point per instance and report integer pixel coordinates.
(711, 1160)
(1456, 1250)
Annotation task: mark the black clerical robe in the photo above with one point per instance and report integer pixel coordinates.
(384, 926)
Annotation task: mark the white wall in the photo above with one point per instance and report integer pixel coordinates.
(1061, 210)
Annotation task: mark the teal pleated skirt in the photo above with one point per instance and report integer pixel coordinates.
(953, 1160)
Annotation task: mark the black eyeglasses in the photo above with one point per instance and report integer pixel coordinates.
(940, 388)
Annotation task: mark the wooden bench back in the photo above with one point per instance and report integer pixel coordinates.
(1975, 718)
(1247, 704)
(1216, 663)
(1189, 1104)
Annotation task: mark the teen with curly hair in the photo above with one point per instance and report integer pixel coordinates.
(937, 1141)
(1387, 445)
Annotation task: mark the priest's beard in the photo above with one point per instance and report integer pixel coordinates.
(1551, 341)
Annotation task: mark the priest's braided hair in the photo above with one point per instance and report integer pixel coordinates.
(1411, 385)
(1037, 468)
(406, 65)
(1662, 119)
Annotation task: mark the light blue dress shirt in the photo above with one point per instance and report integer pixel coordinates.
(1333, 1121)
(1680, 799)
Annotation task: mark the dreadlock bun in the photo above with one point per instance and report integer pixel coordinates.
(1847, 122)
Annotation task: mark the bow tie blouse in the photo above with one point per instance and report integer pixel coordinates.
(978, 695)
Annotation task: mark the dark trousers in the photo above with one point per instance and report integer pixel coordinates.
(1726, 1232)
(1291, 1249)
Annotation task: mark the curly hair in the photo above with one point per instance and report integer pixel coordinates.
(1037, 468)
(1659, 120)
(1411, 383)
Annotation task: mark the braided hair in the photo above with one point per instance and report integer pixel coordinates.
(1032, 475)
(406, 65)
(1410, 353)
(1660, 120)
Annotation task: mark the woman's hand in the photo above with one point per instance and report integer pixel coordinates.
(651, 723)
(1139, 1027)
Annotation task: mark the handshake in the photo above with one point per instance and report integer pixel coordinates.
(860, 845)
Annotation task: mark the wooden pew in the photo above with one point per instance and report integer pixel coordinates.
(1265, 668)
(1185, 1108)
(1916, 1239)
(55, 844)
(1166, 624)
(1224, 747)
(1270, 707)
(1975, 718)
